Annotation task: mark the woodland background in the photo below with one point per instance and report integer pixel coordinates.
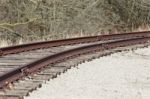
(36, 20)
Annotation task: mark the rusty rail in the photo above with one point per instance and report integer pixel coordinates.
(59, 57)
(55, 43)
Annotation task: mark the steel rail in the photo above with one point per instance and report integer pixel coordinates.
(34, 67)
(55, 43)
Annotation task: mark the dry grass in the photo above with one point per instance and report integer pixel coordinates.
(30, 20)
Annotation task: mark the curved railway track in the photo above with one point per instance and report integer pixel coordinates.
(23, 68)
(71, 41)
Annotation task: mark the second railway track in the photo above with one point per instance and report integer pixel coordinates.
(71, 41)
(23, 68)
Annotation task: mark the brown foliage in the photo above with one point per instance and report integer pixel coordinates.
(53, 19)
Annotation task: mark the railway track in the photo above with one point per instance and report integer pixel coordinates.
(71, 41)
(23, 68)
